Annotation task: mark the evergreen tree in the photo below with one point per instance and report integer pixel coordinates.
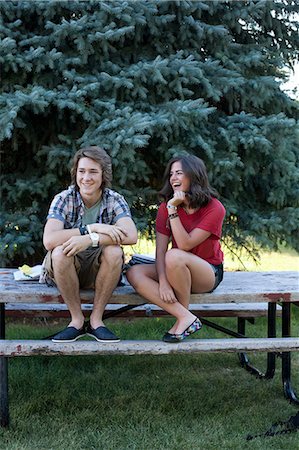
(146, 80)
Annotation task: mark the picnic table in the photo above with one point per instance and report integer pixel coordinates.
(237, 288)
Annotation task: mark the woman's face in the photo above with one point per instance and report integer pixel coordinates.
(178, 180)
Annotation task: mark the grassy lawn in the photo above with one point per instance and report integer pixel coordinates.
(189, 402)
(285, 259)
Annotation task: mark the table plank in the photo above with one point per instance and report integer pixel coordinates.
(146, 347)
(237, 287)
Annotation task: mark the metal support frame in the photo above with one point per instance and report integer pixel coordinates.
(109, 314)
(289, 392)
(4, 411)
(217, 327)
(271, 357)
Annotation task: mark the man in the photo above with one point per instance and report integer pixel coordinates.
(86, 226)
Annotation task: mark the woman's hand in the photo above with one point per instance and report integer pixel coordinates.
(76, 244)
(178, 198)
(166, 293)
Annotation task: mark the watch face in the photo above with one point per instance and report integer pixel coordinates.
(95, 238)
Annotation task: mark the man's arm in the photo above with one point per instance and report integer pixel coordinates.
(123, 232)
(128, 225)
(55, 234)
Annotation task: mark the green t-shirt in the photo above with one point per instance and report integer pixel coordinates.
(91, 214)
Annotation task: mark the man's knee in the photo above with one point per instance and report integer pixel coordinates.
(59, 258)
(112, 255)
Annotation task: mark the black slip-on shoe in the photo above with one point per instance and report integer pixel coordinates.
(170, 338)
(69, 334)
(101, 334)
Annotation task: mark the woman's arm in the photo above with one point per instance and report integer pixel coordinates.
(161, 248)
(186, 241)
(165, 289)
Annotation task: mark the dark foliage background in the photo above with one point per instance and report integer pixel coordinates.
(147, 80)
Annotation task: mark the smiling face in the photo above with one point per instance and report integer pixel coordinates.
(177, 178)
(89, 178)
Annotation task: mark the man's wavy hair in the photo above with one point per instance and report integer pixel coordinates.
(200, 192)
(100, 156)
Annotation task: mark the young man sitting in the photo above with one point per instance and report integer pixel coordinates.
(86, 226)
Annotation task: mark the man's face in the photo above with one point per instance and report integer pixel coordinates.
(89, 178)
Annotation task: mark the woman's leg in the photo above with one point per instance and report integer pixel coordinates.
(144, 279)
(188, 273)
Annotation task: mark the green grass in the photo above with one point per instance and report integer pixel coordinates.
(285, 259)
(181, 402)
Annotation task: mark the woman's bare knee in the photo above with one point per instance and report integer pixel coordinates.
(173, 259)
(132, 275)
(137, 274)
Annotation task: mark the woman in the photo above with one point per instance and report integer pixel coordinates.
(191, 216)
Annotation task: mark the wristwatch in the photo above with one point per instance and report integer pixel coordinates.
(95, 238)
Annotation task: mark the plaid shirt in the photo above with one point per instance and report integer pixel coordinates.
(68, 207)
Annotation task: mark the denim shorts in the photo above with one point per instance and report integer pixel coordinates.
(218, 275)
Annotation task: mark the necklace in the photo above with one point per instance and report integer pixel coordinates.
(189, 211)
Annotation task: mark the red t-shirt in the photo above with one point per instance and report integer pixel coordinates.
(208, 218)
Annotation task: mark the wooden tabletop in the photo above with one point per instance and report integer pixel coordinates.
(237, 287)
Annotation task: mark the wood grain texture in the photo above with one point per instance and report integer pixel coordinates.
(60, 310)
(13, 348)
(237, 287)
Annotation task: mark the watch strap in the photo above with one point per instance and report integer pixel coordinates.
(83, 230)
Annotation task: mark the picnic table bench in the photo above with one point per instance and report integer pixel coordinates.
(278, 290)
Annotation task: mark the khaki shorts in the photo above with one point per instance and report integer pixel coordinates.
(87, 264)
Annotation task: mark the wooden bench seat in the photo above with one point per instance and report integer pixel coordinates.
(59, 310)
(13, 348)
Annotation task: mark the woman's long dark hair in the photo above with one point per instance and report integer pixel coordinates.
(200, 192)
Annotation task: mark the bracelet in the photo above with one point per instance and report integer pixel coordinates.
(83, 230)
(172, 207)
(173, 216)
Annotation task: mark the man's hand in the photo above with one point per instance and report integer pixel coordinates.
(76, 244)
(115, 232)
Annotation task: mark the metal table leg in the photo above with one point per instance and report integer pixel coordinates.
(4, 412)
(243, 358)
(289, 392)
